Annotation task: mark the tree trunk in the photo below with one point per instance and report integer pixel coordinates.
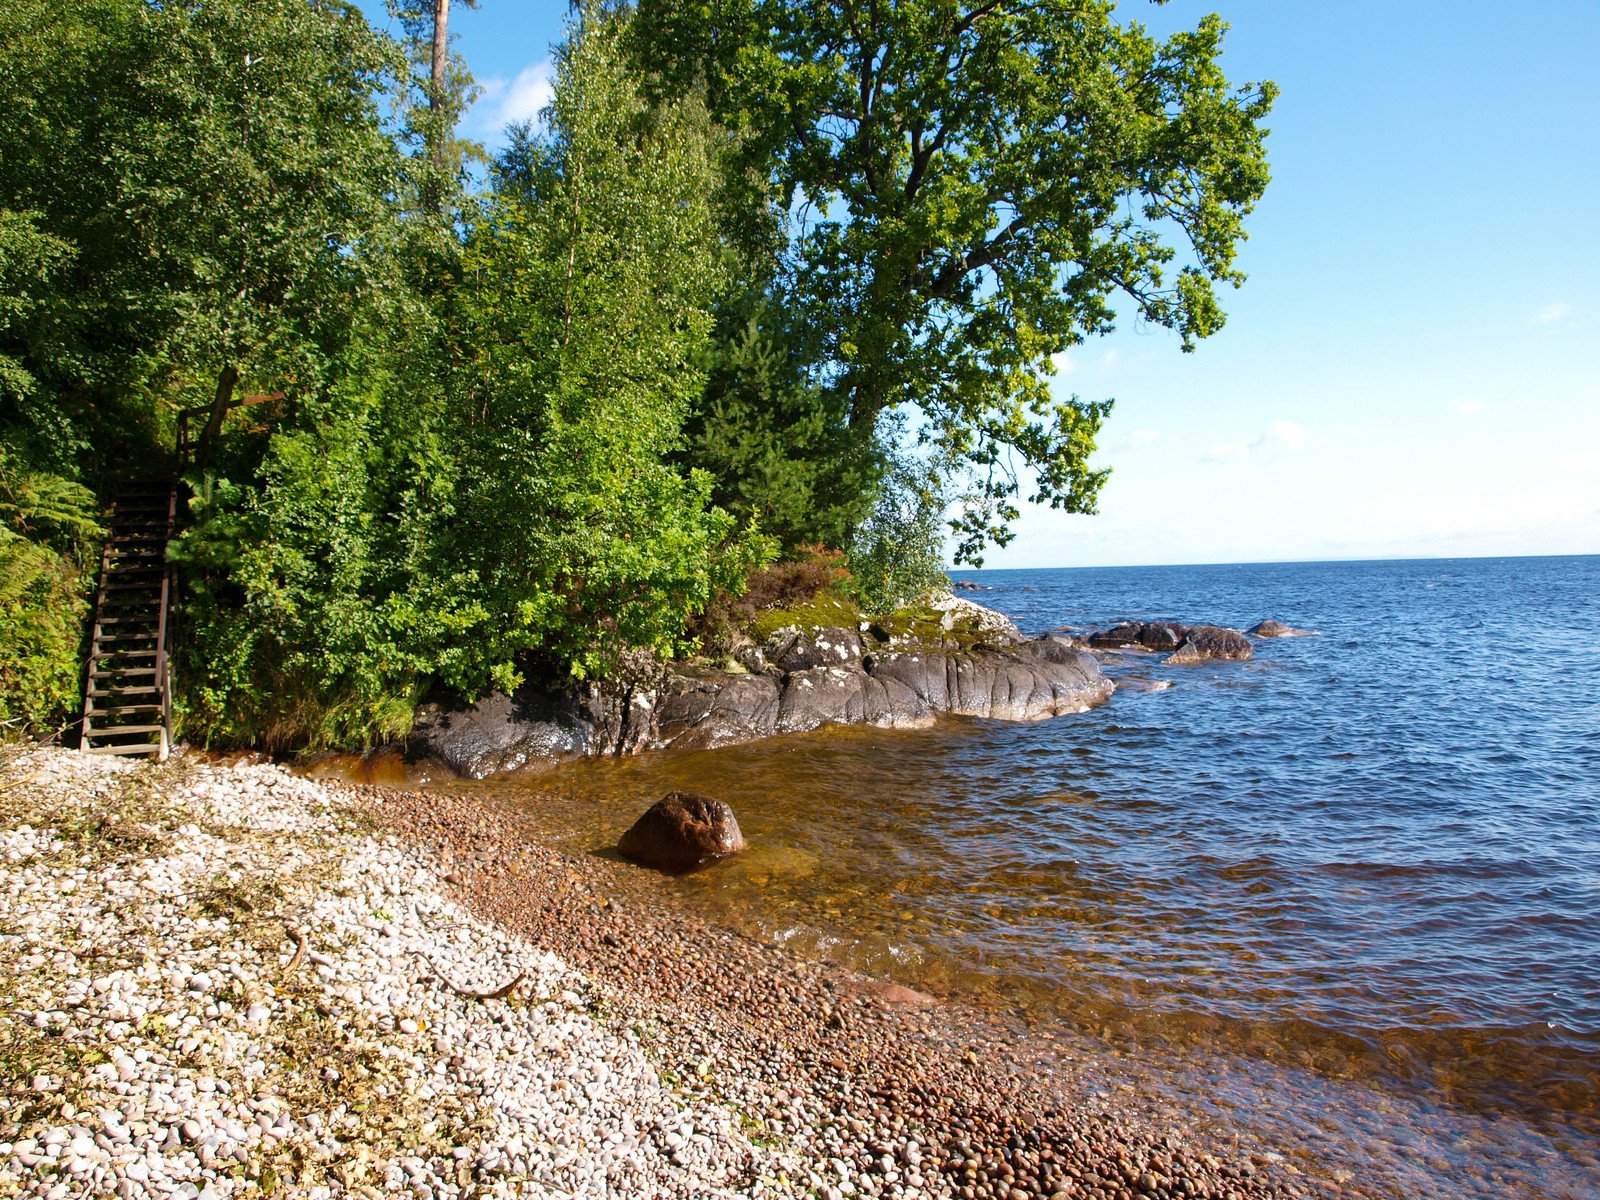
(220, 403)
(441, 54)
(436, 103)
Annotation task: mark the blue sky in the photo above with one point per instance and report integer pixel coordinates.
(1413, 367)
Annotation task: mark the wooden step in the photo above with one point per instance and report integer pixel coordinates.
(123, 710)
(109, 654)
(127, 619)
(145, 689)
(126, 673)
(116, 639)
(103, 730)
(138, 748)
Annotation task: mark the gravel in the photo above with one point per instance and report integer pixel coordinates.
(226, 980)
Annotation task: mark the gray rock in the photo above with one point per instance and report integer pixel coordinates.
(1187, 643)
(796, 649)
(502, 733)
(691, 708)
(1211, 641)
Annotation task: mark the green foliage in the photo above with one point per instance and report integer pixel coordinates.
(778, 445)
(594, 277)
(897, 553)
(47, 525)
(301, 633)
(693, 323)
(980, 180)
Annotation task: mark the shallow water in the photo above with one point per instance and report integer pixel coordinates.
(1369, 855)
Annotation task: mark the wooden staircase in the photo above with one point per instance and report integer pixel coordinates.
(127, 700)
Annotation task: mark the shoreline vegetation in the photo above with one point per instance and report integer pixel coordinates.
(737, 322)
(228, 980)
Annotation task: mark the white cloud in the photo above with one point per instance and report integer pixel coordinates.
(1226, 452)
(1281, 435)
(1064, 363)
(1469, 406)
(1135, 438)
(1550, 313)
(1290, 434)
(520, 99)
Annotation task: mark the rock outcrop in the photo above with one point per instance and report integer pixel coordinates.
(681, 831)
(957, 658)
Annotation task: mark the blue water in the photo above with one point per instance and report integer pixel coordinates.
(1371, 855)
(1396, 821)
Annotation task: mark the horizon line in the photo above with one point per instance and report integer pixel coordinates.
(1273, 562)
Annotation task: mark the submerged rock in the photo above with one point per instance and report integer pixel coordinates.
(1187, 643)
(1276, 629)
(681, 831)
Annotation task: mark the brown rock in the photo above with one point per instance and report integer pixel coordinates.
(1275, 629)
(682, 830)
(1203, 642)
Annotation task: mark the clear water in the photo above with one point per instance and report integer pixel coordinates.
(1373, 854)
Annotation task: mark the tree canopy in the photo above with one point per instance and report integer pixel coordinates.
(768, 278)
(977, 186)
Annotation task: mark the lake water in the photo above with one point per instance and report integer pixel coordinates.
(1371, 855)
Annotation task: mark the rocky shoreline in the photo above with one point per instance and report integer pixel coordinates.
(958, 659)
(233, 981)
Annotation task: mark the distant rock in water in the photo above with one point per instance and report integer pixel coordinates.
(1275, 629)
(966, 585)
(1202, 642)
(1186, 643)
(681, 831)
(1136, 685)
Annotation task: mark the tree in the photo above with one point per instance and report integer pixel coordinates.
(593, 280)
(981, 183)
(777, 444)
(447, 90)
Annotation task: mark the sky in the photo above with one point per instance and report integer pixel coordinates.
(1412, 368)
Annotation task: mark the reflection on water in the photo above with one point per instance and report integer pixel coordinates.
(1372, 853)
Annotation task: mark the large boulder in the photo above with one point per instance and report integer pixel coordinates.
(1203, 642)
(681, 831)
(1125, 633)
(502, 733)
(1159, 636)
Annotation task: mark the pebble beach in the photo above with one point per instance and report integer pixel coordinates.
(229, 980)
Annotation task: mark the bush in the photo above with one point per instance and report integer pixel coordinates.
(793, 583)
(42, 610)
(47, 533)
(898, 552)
